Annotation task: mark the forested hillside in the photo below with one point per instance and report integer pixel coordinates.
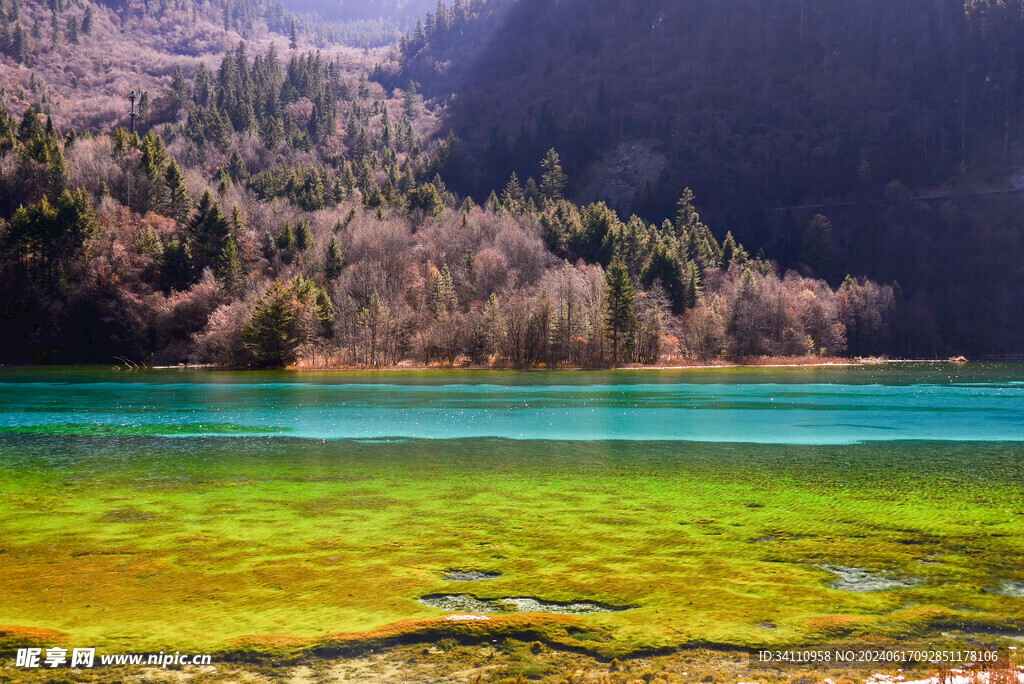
(277, 210)
(843, 137)
(284, 204)
(397, 11)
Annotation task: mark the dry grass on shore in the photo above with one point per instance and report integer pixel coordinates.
(515, 662)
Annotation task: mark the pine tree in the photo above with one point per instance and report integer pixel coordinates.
(178, 265)
(54, 234)
(178, 94)
(666, 269)
(209, 230)
(271, 333)
(237, 225)
(230, 273)
(334, 262)
(145, 106)
(20, 48)
(156, 195)
(180, 204)
(411, 100)
(303, 236)
(87, 21)
(202, 86)
(552, 184)
(54, 30)
(442, 293)
(620, 318)
(30, 127)
(236, 167)
(513, 198)
(71, 30)
(7, 131)
(293, 36)
(286, 239)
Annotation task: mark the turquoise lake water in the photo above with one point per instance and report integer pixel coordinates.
(934, 402)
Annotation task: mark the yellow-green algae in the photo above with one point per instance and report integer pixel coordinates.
(146, 543)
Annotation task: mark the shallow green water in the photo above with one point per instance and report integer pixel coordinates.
(743, 507)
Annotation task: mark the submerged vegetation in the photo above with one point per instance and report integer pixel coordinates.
(704, 543)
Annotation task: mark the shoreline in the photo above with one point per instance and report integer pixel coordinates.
(518, 660)
(765, 362)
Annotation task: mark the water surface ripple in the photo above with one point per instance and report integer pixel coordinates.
(770, 410)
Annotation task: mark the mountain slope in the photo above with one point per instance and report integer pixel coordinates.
(773, 111)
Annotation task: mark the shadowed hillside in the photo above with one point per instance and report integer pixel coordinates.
(843, 137)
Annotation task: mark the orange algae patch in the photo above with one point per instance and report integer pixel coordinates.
(836, 625)
(16, 636)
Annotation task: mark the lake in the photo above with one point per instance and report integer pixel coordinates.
(747, 507)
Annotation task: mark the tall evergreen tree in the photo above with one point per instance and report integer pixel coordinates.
(202, 86)
(180, 206)
(443, 298)
(334, 262)
(8, 136)
(209, 230)
(620, 316)
(271, 334)
(553, 182)
(230, 273)
(30, 126)
(303, 236)
(178, 94)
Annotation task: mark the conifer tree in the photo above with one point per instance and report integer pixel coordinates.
(236, 167)
(178, 93)
(156, 196)
(54, 30)
(552, 184)
(411, 100)
(271, 334)
(7, 131)
(179, 205)
(303, 236)
(666, 268)
(20, 48)
(513, 198)
(209, 230)
(293, 36)
(53, 234)
(30, 126)
(145, 106)
(286, 239)
(620, 317)
(237, 225)
(87, 21)
(202, 86)
(267, 247)
(442, 293)
(334, 262)
(230, 273)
